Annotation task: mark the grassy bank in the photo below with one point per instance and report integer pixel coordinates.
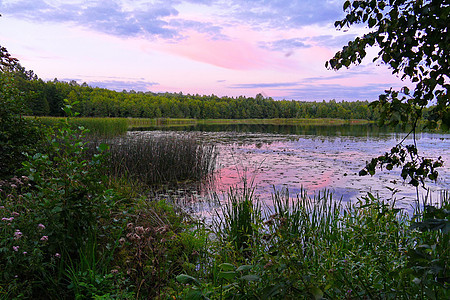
(101, 127)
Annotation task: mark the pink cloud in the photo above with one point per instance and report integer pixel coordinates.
(228, 54)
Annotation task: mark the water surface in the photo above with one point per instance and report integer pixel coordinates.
(314, 158)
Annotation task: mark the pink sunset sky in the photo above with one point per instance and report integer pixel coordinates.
(226, 48)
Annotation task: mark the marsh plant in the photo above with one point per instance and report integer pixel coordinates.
(316, 247)
(161, 159)
(98, 127)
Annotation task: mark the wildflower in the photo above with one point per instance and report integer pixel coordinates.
(136, 237)
(8, 219)
(17, 234)
(139, 230)
(15, 214)
(130, 225)
(41, 226)
(16, 248)
(1, 207)
(114, 271)
(13, 186)
(122, 240)
(44, 238)
(57, 255)
(25, 252)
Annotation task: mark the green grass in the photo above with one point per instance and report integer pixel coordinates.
(316, 247)
(102, 127)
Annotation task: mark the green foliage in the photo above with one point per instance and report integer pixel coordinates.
(317, 248)
(50, 214)
(414, 42)
(98, 127)
(18, 135)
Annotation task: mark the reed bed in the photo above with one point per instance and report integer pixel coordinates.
(163, 159)
(100, 127)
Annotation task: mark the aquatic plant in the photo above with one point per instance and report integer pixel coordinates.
(156, 160)
(315, 247)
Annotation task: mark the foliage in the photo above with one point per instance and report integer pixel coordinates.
(414, 41)
(50, 214)
(98, 102)
(317, 248)
(17, 134)
(98, 127)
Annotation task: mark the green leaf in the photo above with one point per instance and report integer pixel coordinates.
(228, 275)
(186, 279)
(317, 293)
(346, 4)
(102, 147)
(244, 268)
(194, 295)
(250, 277)
(226, 267)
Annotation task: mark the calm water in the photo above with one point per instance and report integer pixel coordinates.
(313, 158)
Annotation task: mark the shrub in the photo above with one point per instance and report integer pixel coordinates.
(18, 135)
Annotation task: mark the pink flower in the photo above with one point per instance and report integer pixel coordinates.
(44, 238)
(8, 219)
(16, 248)
(25, 252)
(139, 230)
(13, 186)
(57, 255)
(15, 214)
(17, 234)
(41, 226)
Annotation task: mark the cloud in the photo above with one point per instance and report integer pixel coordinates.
(119, 86)
(212, 30)
(262, 85)
(108, 17)
(319, 92)
(115, 83)
(285, 44)
(286, 14)
(331, 40)
(164, 19)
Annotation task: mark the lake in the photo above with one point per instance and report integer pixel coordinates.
(313, 158)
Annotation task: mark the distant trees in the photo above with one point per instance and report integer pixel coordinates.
(47, 98)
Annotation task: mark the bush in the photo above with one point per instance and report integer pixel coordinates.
(18, 135)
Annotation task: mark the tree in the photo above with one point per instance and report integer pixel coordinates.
(18, 135)
(414, 42)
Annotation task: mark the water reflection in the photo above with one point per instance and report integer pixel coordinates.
(313, 158)
(319, 130)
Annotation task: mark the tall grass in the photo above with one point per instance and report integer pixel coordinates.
(100, 127)
(316, 247)
(163, 159)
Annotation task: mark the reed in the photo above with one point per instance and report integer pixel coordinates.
(241, 216)
(164, 159)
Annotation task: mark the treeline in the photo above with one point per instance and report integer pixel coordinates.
(47, 98)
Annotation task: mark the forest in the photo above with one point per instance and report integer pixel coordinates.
(46, 98)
